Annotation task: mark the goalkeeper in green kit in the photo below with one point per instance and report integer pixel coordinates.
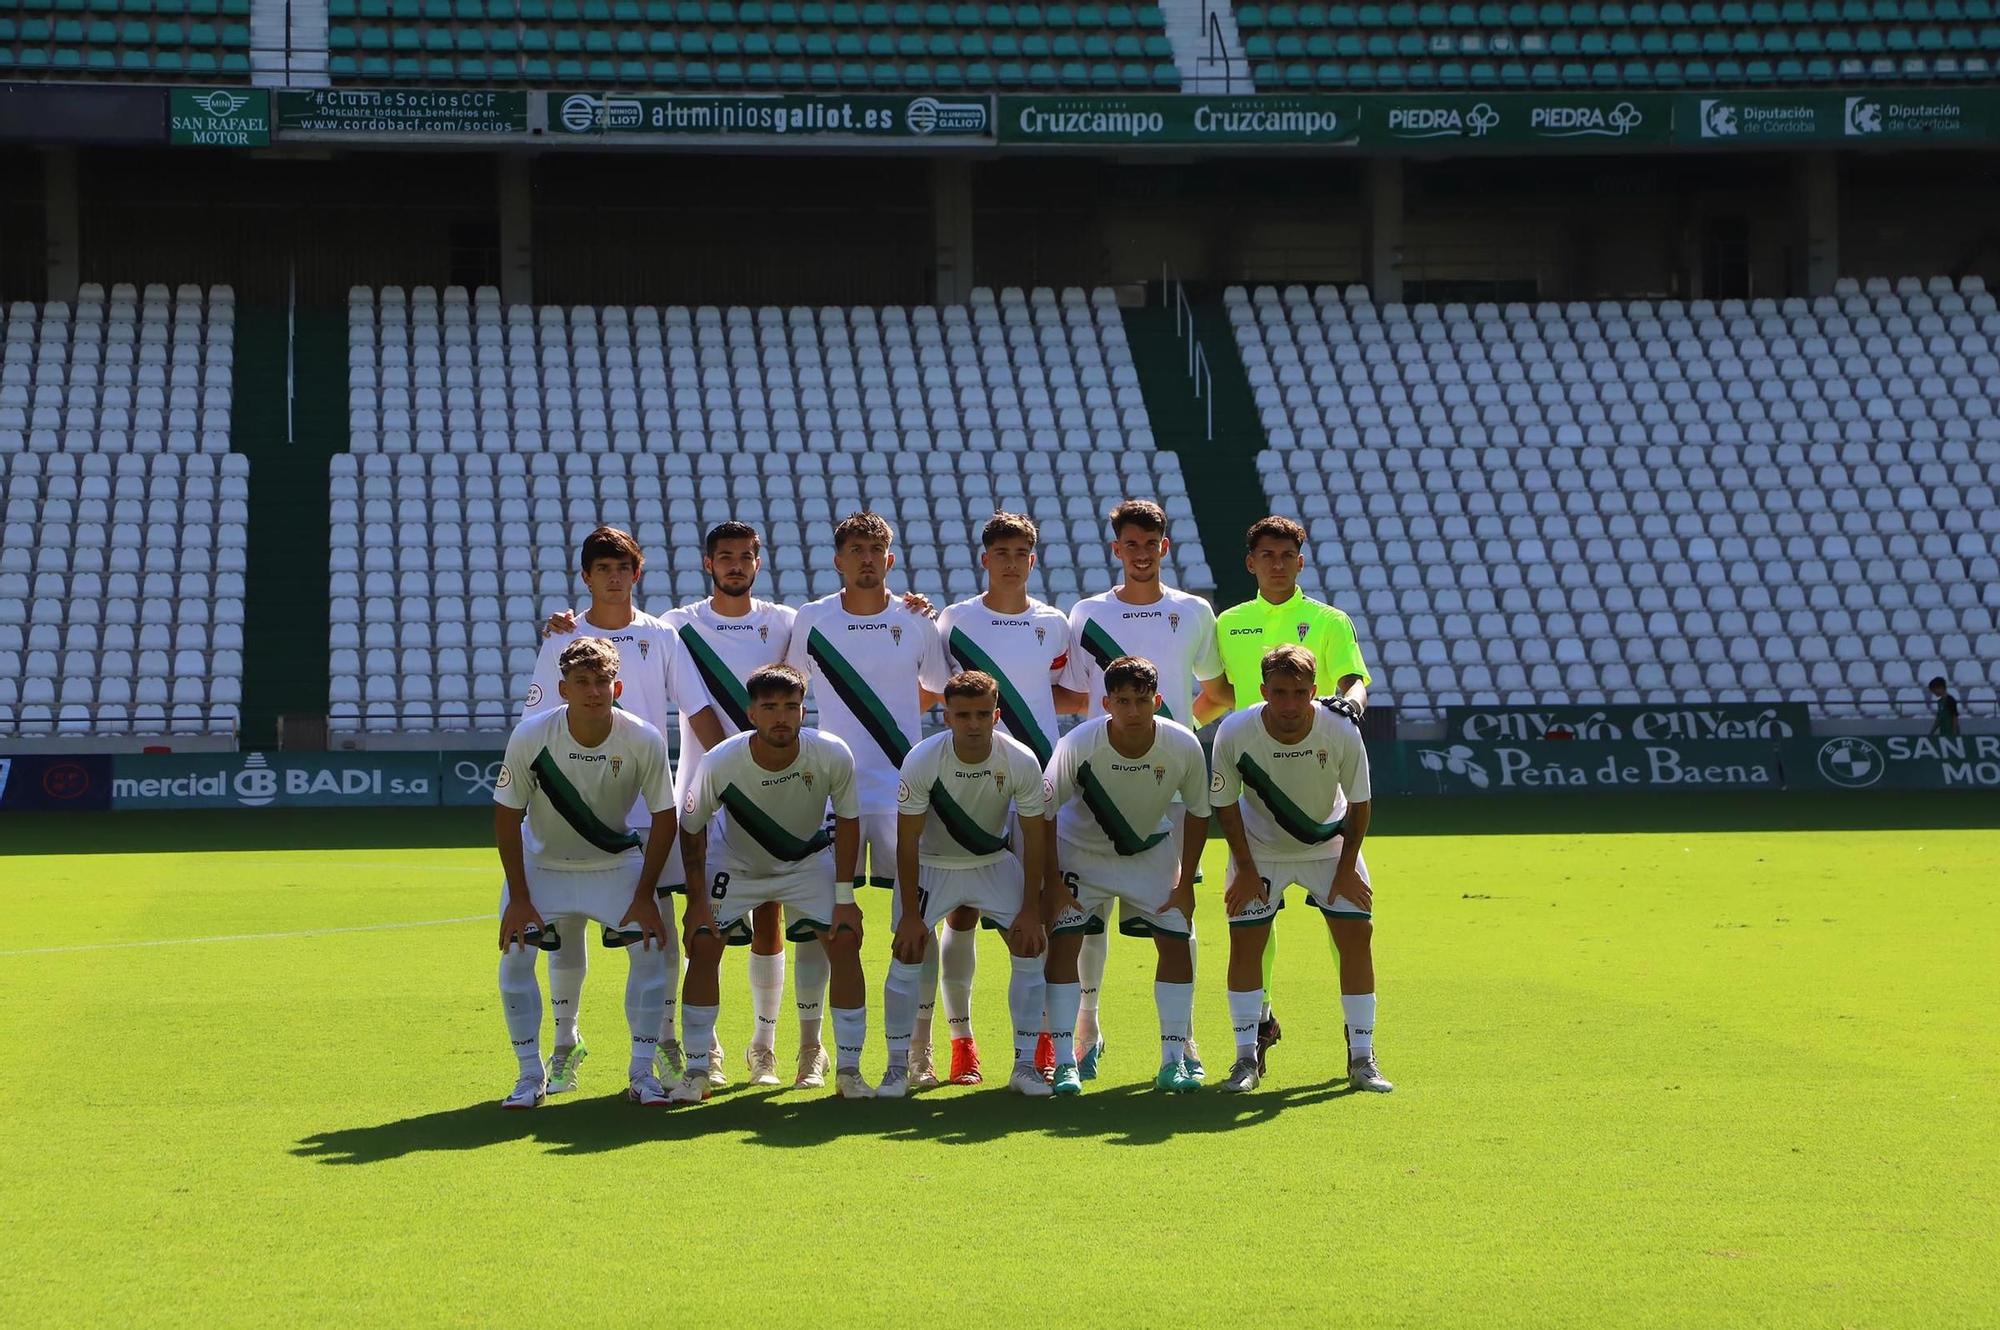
(1281, 615)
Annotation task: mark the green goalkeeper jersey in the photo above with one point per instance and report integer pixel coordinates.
(1247, 631)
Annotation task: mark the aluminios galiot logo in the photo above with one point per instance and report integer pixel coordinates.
(928, 115)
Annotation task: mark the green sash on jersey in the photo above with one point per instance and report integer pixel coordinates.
(1296, 822)
(764, 829)
(967, 832)
(1104, 649)
(859, 697)
(1098, 800)
(563, 797)
(1015, 713)
(724, 688)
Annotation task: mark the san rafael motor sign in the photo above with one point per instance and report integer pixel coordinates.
(871, 116)
(1717, 720)
(1894, 762)
(219, 117)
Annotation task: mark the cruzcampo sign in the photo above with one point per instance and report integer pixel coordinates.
(219, 117)
(1274, 119)
(1504, 121)
(437, 111)
(792, 115)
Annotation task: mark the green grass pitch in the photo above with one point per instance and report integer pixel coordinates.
(1683, 1070)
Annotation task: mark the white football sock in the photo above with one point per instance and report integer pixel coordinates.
(1090, 977)
(767, 994)
(899, 1010)
(521, 1000)
(1062, 1000)
(567, 965)
(676, 967)
(1243, 1009)
(700, 1023)
(850, 1036)
(1359, 1010)
(810, 973)
(927, 991)
(646, 990)
(1176, 1005)
(958, 959)
(1027, 994)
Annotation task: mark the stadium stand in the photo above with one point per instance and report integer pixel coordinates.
(122, 557)
(1586, 45)
(1645, 501)
(488, 440)
(126, 40)
(695, 45)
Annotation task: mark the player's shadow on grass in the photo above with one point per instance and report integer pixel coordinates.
(1116, 1115)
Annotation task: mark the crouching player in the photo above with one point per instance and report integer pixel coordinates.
(1291, 791)
(1109, 788)
(576, 771)
(773, 842)
(956, 806)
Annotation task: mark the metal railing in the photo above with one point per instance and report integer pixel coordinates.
(1235, 69)
(1174, 293)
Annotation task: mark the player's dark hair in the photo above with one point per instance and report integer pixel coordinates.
(1938, 682)
(970, 683)
(731, 530)
(864, 525)
(1131, 672)
(1008, 526)
(1274, 528)
(1292, 661)
(1142, 513)
(774, 678)
(589, 653)
(608, 542)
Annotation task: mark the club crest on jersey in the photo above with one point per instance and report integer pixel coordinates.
(645, 647)
(896, 634)
(616, 762)
(763, 632)
(1322, 759)
(807, 776)
(1304, 629)
(1041, 635)
(1000, 780)
(1173, 623)
(1159, 775)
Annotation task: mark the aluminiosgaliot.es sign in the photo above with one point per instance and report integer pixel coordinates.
(276, 780)
(786, 116)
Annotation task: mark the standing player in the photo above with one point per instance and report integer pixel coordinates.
(1112, 787)
(576, 771)
(1280, 615)
(612, 564)
(772, 788)
(959, 796)
(1291, 791)
(724, 640)
(1173, 629)
(1022, 644)
(876, 666)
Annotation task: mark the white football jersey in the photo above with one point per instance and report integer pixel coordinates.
(970, 805)
(579, 799)
(717, 653)
(1027, 653)
(1292, 796)
(645, 665)
(865, 672)
(1108, 803)
(772, 821)
(1176, 633)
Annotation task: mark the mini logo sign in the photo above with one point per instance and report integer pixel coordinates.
(1851, 762)
(1718, 119)
(220, 117)
(928, 115)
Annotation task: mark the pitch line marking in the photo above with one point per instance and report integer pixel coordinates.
(249, 937)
